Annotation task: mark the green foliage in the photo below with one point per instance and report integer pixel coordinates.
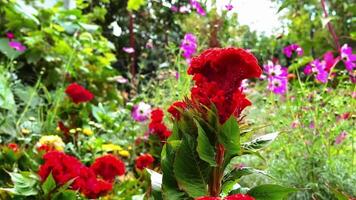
(134, 5)
(270, 192)
(229, 136)
(204, 148)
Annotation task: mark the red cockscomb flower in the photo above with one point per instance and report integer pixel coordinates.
(218, 74)
(89, 185)
(157, 115)
(160, 130)
(239, 197)
(62, 166)
(144, 161)
(108, 167)
(78, 93)
(176, 108)
(13, 146)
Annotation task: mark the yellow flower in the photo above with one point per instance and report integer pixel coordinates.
(111, 147)
(52, 141)
(87, 131)
(124, 153)
(25, 131)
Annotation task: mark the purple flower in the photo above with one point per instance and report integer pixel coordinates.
(229, 7)
(128, 50)
(318, 68)
(149, 44)
(277, 85)
(141, 112)
(288, 50)
(189, 46)
(329, 60)
(10, 35)
(341, 137)
(348, 58)
(174, 8)
(17, 46)
(119, 79)
(312, 125)
(275, 70)
(176, 75)
(196, 5)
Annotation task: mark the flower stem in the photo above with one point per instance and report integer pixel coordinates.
(215, 182)
(330, 27)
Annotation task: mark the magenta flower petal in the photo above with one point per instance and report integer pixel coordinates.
(340, 138)
(229, 7)
(141, 112)
(17, 46)
(128, 50)
(189, 46)
(196, 5)
(10, 35)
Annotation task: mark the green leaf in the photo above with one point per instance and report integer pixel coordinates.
(9, 52)
(238, 172)
(205, 150)
(270, 192)
(229, 136)
(260, 142)
(284, 5)
(66, 194)
(170, 187)
(191, 172)
(25, 184)
(49, 184)
(135, 4)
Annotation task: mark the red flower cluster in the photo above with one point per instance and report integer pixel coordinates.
(218, 74)
(78, 93)
(144, 161)
(231, 197)
(176, 108)
(108, 167)
(156, 126)
(65, 168)
(13, 146)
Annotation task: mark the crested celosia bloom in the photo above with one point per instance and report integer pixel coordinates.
(318, 68)
(50, 143)
(189, 46)
(143, 161)
(108, 167)
(347, 57)
(89, 185)
(157, 127)
(176, 108)
(17, 46)
(218, 74)
(231, 197)
(78, 93)
(65, 168)
(288, 50)
(141, 112)
(196, 5)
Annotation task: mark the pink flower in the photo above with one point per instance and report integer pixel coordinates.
(329, 60)
(347, 57)
(318, 68)
(128, 50)
(340, 138)
(141, 112)
(10, 35)
(288, 50)
(196, 5)
(17, 46)
(229, 7)
(189, 46)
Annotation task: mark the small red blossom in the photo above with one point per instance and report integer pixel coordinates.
(108, 167)
(62, 166)
(78, 93)
(176, 108)
(239, 197)
(157, 115)
(144, 161)
(63, 128)
(13, 146)
(45, 148)
(89, 185)
(160, 130)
